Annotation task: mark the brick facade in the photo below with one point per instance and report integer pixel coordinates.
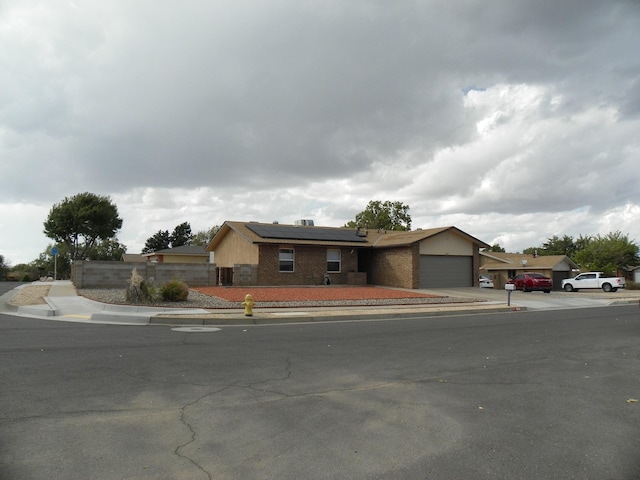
(395, 267)
(310, 266)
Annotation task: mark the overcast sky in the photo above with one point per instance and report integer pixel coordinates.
(513, 120)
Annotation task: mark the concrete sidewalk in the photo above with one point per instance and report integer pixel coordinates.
(64, 304)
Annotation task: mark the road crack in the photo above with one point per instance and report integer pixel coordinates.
(183, 413)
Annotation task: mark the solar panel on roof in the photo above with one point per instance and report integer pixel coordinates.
(305, 233)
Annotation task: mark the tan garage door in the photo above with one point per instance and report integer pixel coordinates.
(445, 271)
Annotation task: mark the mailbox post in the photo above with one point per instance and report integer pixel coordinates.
(509, 287)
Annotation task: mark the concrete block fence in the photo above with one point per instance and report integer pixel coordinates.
(90, 274)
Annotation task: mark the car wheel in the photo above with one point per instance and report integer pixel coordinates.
(606, 287)
(614, 289)
(568, 287)
(547, 291)
(524, 287)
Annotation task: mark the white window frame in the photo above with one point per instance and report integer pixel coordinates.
(286, 261)
(332, 258)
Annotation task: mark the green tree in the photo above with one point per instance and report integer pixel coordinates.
(45, 264)
(554, 246)
(559, 246)
(383, 215)
(160, 240)
(24, 272)
(582, 242)
(181, 235)
(203, 237)
(608, 253)
(107, 250)
(495, 248)
(80, 221)
(4, 268)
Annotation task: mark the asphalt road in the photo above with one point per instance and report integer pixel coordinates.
(520, 395)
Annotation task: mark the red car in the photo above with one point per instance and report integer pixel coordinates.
(528, 282)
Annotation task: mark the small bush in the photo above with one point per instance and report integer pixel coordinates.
(632, 285)
(174, 291)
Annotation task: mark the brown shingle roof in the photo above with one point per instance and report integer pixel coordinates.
(513, 261)
(372, 238)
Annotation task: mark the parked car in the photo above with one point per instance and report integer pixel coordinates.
(485, 282)
(593, 280)
(528, 282)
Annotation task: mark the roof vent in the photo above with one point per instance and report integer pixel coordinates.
(303, 223)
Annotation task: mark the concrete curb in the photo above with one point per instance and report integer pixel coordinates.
(273, 318)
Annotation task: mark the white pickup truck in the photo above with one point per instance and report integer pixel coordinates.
(593, 280)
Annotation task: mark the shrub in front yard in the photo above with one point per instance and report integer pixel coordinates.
(632, 285)
(137, 290)
(174, 291)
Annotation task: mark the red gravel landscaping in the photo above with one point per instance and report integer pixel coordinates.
(304, 294)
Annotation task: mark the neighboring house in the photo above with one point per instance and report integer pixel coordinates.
(251, 253)
(182, 254)
(500, 267)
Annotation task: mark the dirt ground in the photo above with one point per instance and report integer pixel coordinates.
(30, 295)
(292, 294)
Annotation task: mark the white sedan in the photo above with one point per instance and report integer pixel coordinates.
(486, 282)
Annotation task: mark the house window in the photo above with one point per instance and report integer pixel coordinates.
(285, 260)
(333, 261)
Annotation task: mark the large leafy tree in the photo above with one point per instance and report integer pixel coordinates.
(82, 220)
(383, 215)
(565, 245)
(608, 253)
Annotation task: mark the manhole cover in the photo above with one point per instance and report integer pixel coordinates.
(195, 329)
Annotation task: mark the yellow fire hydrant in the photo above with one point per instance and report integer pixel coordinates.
(248, 305)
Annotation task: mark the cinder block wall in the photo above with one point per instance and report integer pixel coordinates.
(244, 275)
(89, 274)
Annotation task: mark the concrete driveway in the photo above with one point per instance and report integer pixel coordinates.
(541, 300)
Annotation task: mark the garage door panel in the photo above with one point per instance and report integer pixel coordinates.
(445, 271)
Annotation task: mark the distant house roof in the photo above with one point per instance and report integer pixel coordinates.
(190, 250)
(133, 257)
(266, 233)
(520, 261)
